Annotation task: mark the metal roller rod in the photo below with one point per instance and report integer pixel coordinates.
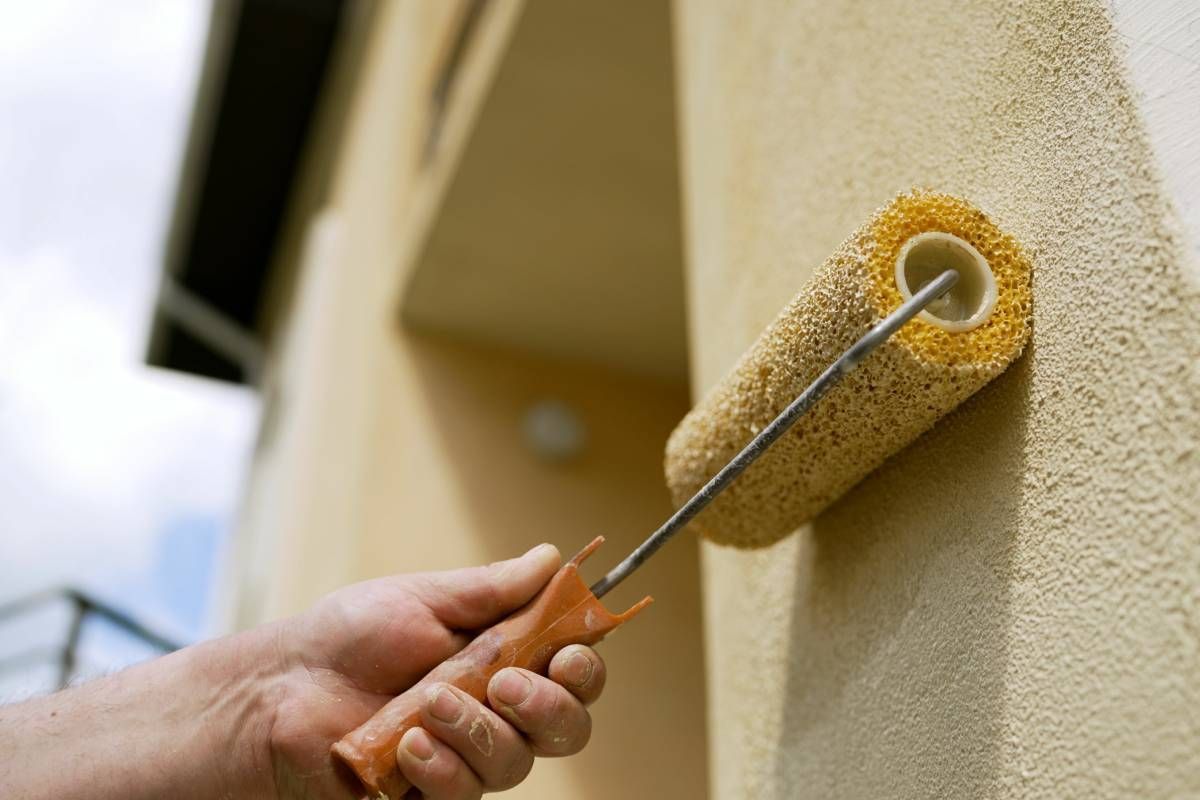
(767, 436)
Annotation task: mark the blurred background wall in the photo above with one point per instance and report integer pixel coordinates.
(469, 331)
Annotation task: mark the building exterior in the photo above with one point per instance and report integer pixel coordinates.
(506, 207)
(1006, 608)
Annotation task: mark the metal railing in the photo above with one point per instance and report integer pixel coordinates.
(82, 607)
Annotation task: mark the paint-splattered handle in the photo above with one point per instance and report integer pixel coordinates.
(564, 612)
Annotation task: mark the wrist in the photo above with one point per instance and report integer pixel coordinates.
(194, 724)
(242, 676)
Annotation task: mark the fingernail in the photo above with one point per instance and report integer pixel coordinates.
(418, 744)
(512, 687)
(503, 570)
(542, 552)
(578, 669)
(445, 705)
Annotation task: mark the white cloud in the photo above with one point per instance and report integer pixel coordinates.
(98, 453)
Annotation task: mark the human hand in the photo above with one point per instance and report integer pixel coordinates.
(360, 646)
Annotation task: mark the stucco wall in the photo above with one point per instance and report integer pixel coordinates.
(1011, 606)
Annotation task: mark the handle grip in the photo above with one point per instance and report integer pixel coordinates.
(564, 612)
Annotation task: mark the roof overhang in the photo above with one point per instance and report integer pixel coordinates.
(264, 64)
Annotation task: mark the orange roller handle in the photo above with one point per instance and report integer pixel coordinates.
(564, 612)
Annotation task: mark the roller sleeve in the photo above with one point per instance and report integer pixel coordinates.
(922, 373)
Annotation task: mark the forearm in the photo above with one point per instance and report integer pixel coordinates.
(193, 724)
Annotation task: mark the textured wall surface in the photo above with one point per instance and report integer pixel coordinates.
(1011, 606)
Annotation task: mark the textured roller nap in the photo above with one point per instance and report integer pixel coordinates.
(893, 397)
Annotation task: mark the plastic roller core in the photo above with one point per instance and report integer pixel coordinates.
(926, 256)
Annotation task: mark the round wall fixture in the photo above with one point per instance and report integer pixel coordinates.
(553, 430)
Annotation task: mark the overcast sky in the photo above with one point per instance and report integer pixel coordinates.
(113, 476)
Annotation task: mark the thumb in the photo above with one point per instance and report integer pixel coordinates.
(475, 597)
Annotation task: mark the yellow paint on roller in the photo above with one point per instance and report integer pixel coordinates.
(923, 372)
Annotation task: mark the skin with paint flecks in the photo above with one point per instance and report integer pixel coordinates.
(481, 736)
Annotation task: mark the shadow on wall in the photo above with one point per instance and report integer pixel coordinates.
(651, 720)
(901, 614)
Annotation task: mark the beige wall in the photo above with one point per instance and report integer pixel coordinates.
(452, 482)
(1011, 606)
(568, 188)
(386, 451)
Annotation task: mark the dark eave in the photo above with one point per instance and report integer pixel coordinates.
(264, 65)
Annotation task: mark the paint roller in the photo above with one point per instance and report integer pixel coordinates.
(915, 312)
